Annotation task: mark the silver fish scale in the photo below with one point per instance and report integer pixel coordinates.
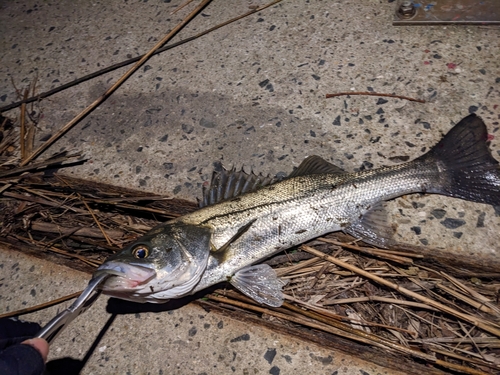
(299, 209)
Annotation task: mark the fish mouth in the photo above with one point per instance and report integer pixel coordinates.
(107, 271)
(124, 277)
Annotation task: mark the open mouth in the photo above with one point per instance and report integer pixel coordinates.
(124, 276)
(108, 271)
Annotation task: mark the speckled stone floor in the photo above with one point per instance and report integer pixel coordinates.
(252, 94)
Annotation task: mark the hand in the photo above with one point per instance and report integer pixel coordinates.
(20, 355)
(39, 344)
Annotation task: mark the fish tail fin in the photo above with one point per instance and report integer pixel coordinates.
(460, 166)
(466, 167)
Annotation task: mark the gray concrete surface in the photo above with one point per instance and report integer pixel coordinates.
(188, 340)
(253, 94)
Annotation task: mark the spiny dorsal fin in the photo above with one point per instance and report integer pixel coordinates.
(315, 165)
(228, 184)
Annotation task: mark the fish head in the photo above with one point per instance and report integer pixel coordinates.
(165, 263)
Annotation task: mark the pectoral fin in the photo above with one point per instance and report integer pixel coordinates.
(221, 253)
(261, 283)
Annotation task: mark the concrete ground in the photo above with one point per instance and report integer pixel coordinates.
(249, 94)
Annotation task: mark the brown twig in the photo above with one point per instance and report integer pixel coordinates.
(30, 138)
(396, 256)
(135, 207)
(181, 6)
(335, 301)
(465, 299)
(42, 226)
(18, 92)
(495, 310)
(117, 84)
(40, 306)
(22, 135)
(50, 203)
(459, 340)
(108, 240)
(33, 89)
(462, 358)
(46, 195)
(287, 270)
(369, 93)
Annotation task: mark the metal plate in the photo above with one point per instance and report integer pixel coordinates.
(465, 12)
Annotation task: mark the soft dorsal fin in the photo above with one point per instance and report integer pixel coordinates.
(315, 165)
(228, 184)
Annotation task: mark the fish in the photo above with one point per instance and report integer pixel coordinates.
(246, 218)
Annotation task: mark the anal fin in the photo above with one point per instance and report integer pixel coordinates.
(260, 283)
(373, 227)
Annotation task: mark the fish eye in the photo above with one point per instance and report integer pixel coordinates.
(140, 251)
